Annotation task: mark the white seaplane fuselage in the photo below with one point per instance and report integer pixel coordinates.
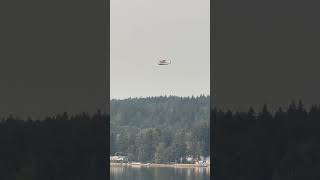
(164, 62)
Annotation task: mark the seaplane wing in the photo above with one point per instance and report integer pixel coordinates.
(164, 62)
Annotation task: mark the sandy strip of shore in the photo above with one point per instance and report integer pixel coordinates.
(159, 165)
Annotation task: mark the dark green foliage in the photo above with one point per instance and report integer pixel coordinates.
(280, 146)
(59, 147)
(160, 129)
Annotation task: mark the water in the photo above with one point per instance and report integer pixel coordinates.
(158, 173)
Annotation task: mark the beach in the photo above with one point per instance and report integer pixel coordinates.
(175, 165)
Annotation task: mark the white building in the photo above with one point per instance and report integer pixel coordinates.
(118, 158)
(208, 160)
(189, 158)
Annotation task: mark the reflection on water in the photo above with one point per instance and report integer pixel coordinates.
(158, 173)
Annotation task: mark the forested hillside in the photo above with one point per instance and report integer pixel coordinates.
(260, 145)
(60, 147)
(160, 129)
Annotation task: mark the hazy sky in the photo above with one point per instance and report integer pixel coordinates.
(144, 31)
(52, 57)
(266, 52)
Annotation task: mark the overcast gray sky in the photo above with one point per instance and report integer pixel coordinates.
(52, 57)
(266, 52)
(144, 31)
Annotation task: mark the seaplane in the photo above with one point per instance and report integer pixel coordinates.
(164, 62)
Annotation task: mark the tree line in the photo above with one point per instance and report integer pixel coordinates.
(160, 129)
(266, 146)
(61, 147)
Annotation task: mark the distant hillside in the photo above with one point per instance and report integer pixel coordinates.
(179, 125)
(160, 111)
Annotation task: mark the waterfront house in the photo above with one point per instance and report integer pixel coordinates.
(207, 160)
(189, 159)
(118, 159)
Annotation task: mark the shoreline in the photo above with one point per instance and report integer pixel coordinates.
(160, 165)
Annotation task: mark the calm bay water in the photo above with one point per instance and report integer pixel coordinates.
(158, 173)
